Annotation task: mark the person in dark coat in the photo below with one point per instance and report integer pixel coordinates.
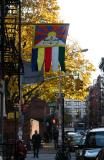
(36, 141)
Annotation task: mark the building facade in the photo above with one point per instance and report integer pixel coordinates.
(95, 102)
(76, 109)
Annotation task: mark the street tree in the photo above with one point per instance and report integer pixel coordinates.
(76, 65)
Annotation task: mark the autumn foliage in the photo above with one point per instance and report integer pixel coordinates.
(42, 11)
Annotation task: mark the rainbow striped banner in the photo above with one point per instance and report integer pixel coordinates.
(49, 46)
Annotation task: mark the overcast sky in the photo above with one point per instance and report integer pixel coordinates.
(86, 18)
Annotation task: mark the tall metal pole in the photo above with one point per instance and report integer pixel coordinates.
(63, 134)
(61, 105)
(1, 116)
(21, 117)
(61, 110)
(15, 128)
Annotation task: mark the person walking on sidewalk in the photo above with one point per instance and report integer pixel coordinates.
(36, 141)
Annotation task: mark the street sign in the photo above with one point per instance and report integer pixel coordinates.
(52, 104)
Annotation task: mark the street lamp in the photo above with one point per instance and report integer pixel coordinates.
(77, 50)
(84, 50)
(61, 104)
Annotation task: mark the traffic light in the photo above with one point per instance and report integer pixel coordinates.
(53, 121)
(78, 84)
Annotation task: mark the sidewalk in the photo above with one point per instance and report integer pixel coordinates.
(47, 148)
(46, 153)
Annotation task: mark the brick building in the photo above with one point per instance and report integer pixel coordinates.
(37, 110)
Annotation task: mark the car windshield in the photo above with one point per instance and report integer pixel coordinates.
(95, 139)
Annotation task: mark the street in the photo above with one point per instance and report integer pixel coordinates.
(51, 91)
(47, 156)
(41, 157)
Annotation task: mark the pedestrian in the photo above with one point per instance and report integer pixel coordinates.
(36, 141)
(55, 137)
(46, 137)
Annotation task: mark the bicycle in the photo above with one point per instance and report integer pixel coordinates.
(63, 154)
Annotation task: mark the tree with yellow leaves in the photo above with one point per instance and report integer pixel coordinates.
(42, 11)
(77, 67)
(32, 12)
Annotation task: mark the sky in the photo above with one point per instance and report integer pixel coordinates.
(86, 19)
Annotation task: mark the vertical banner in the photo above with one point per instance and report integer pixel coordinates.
(49, 42)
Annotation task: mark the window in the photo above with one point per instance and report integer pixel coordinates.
(95, 139)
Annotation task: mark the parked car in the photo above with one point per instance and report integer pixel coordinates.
(72, 139)
(79, 147)
(100, 155)
(94, 142)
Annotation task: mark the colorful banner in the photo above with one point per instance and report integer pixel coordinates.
(49, 46)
